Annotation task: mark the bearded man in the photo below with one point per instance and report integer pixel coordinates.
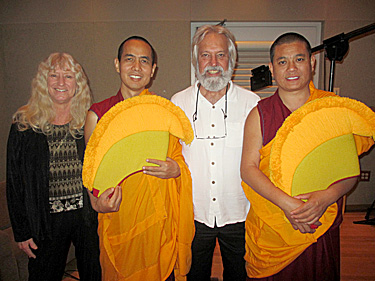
(217, 110)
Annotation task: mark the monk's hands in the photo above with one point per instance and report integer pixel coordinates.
(318, 201)
(109, 201)
(291, 205)
(165, 169)
(26, 246)
(312, 210)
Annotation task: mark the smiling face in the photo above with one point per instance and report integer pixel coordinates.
(292, 67)
(213, 62)
(62, 85)
(135, 67)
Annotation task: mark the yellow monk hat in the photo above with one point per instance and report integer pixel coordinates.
(130, 132)
(316, 145)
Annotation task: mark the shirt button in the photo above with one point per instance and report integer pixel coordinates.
(212, 144)
(214, 199)
(213, 107)
(212, 163)
(212, 125)
(213, 182)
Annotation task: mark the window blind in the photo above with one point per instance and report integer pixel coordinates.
(252, 54)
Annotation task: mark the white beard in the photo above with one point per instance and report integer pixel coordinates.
(215, 84)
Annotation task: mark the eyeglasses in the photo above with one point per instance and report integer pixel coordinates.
(225, 115)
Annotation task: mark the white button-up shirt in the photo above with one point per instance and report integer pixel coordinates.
(214, 163)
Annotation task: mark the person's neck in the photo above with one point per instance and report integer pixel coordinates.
(294, 100)
(128, 93)
(62, 114)
(214, 97)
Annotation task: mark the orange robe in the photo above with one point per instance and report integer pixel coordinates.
(271, 242)
(151, 234)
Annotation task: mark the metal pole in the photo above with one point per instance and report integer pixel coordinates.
(332, 75)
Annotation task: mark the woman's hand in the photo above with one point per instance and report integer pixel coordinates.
(26, 246)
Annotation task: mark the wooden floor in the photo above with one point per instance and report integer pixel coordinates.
(357, 251)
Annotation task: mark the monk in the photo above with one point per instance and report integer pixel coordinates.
(146, 225)
(292, 66)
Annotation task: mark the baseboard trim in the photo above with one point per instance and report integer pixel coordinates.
(357, 208)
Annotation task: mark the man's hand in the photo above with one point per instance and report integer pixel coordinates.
(303, 227)
(109, 201)
(166, 169)
(318, 201)
(26, 246)
(311, 211)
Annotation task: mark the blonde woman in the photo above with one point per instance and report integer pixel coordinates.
(47, 205)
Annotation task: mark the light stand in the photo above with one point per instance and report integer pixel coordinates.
(337, 46)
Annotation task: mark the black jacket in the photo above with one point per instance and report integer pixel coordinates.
(27, 183)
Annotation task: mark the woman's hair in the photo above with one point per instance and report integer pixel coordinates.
(38, 113)
(202, 32)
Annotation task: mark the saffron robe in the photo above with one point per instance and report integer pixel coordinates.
(151, 234)
(273, 248)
